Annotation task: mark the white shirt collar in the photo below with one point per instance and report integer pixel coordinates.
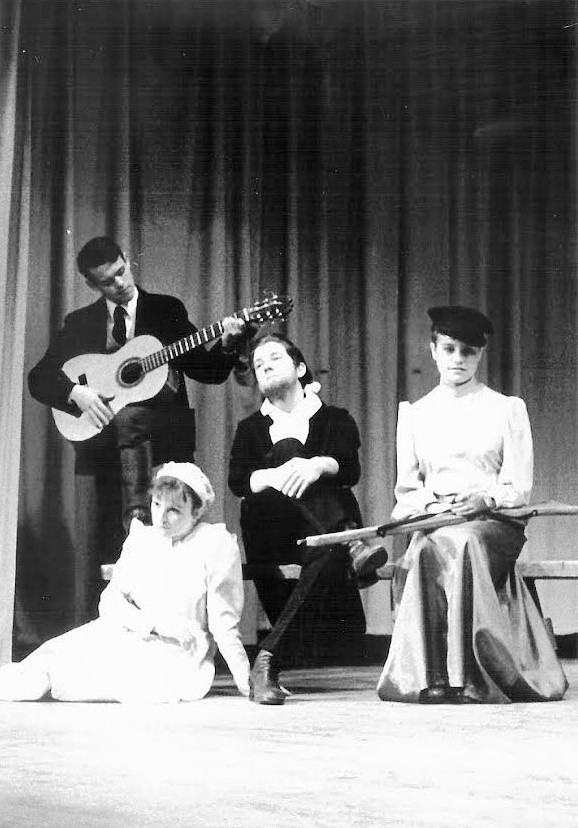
(130, 306)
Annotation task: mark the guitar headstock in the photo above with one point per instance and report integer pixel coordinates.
(270, 308)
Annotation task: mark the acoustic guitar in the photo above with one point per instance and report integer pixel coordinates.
(139, 370)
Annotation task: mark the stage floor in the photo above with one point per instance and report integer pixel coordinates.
(333, 755)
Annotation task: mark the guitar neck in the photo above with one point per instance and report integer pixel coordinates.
(188, 343)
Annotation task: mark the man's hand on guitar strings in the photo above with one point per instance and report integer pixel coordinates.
(93, 404)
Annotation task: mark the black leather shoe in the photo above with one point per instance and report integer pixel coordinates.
(365, 561)
(457, 695)
(263, 681)
(438, 694)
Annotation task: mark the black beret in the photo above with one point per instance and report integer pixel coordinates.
(466, 324)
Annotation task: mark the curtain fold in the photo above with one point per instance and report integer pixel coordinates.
(370, 158)
(14, 231)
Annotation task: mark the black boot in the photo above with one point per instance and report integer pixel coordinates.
(136, 463)
(365, 561)
(436, 694)
(264, 682)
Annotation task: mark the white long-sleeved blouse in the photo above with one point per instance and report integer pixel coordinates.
(448, 443)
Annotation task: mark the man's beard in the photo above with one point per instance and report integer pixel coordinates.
(278, 388)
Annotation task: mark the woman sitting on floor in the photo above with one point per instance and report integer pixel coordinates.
(175, 595)
(467, 629)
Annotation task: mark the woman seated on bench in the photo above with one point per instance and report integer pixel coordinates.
(175, 595)
(467, 629)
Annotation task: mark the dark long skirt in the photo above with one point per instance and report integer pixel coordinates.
(465, 618)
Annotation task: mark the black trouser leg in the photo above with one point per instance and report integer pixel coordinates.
(273, 595)
(135, 479)
(311, 567)
(272, 524)
(99, 538)
(133, 429)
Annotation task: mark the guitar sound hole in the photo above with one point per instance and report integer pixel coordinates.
(130, 373)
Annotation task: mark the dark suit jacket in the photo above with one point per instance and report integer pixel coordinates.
(162, 316)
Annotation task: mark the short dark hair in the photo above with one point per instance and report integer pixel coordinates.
(172, 485)
(292, 349)
(96, 252)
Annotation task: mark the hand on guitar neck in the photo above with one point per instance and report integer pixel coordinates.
(233, 329)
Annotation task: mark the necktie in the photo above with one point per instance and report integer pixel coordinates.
(119, 327)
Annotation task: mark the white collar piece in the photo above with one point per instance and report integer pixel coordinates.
(293, 423)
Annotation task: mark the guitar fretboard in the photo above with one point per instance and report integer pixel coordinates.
(188, 343)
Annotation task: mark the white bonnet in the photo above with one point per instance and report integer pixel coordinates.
(191, 475)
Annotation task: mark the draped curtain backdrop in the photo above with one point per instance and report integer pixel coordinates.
(369, 158)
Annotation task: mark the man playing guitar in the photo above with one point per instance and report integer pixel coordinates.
(129, 442)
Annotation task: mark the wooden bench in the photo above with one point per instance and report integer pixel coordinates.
(531, 571)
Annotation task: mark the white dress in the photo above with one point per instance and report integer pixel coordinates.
(194, 586)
